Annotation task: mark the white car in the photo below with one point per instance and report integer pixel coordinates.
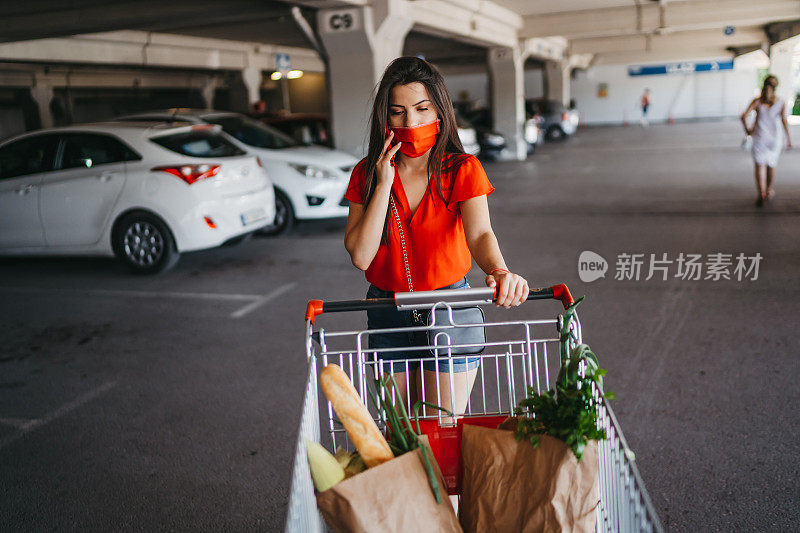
(144, 192)
(310, 181)
(468, 136)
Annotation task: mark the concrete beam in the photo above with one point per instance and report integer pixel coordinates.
(746, 49)
(780, 31)
(326, 4)
(685, 40)
(550, 48)
(651, 16)
(148, 49)
(616, 58)
(16, 75)
(477, 22)
(581, 60)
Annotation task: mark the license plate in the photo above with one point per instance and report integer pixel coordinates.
(253, 215)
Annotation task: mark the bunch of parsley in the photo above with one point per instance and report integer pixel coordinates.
(568, 412)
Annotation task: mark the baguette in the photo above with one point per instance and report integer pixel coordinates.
(352, 413)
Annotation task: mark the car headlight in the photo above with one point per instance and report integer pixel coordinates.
(311, 171)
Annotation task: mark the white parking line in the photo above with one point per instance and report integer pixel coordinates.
(262, 300)
(16, 422)
(254, 300)
(137, 294)
(34, 424)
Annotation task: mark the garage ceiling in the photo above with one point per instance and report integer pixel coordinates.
(621, 30)
(241, 20)
(443, 51)
(629, 29)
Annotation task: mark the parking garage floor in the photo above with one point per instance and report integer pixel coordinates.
(172, 402)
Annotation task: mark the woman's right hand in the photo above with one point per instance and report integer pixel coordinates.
(384, 168)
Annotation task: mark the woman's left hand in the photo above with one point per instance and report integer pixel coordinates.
(511, 289)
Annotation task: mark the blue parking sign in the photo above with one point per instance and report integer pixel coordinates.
(283, 63)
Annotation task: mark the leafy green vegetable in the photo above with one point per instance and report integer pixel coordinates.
(569, 411)
(402, 436)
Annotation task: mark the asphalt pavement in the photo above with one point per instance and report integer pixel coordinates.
(172, 402)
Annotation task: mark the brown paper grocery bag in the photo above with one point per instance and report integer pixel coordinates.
(394, 496)
(510, 486)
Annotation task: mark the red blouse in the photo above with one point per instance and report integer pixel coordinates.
(435, 240)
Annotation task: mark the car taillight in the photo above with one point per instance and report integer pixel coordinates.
(564, 116)
(258, 160)
(190, 173)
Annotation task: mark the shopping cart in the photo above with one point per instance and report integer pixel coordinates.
(516, 355)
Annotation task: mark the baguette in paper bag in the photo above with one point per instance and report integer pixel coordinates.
(392, 497)
(353, 415)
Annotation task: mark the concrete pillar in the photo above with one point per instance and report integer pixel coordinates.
(780, 65)
(42, 94)
(208, 90)
(252, 78)
(360, 42)
(507, 70)
(557, 76)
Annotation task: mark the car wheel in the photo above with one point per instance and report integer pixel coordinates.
(555, 133)
(144, 243)
(284, 216)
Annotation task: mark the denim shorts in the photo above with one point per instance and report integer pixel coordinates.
(392, 318)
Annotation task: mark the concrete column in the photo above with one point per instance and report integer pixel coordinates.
(42, 94)
(360, 42)
(208, 90)
(557, 76)
(507, 70)
(780, 65)
(252, 78)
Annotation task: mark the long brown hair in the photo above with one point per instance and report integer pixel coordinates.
(769, 81)
(402, 71)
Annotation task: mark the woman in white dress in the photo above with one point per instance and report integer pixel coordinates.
(767, 136)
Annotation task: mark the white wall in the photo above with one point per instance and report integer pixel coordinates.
(682, 96)
(475, 84)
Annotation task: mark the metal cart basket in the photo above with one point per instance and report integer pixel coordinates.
(516, 356)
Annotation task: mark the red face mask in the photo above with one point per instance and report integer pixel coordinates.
(416, 140)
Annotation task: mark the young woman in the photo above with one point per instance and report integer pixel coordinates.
(416, 172)
(644, 102)
(767, 138)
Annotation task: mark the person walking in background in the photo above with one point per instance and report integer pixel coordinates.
(644, 101)
(767, 136)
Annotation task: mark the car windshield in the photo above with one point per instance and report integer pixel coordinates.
(252, 133)
(199, 143)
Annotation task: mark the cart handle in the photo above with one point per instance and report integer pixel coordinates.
(422, 299)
